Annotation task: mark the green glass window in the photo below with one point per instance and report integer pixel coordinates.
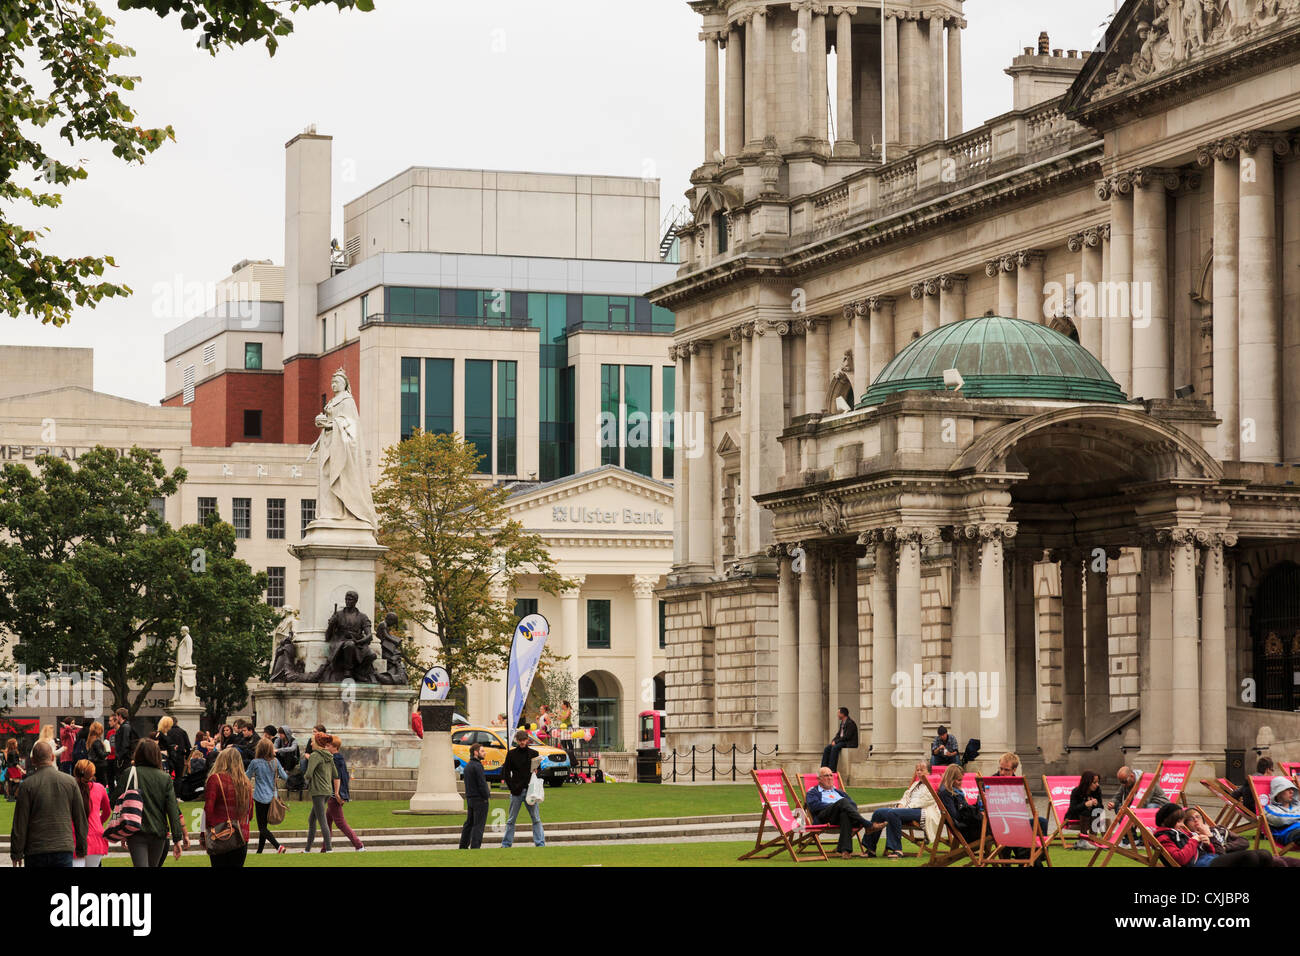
(365, 308)
(597, 624)
(439, 396)
(595, 312)
(525, 607)
(426, 303)
(638, 438)
(401, 303)
(478, 410)
(507, 393)
(662, 320)
(609, 421)
(669, 401)
(410, 391)
(253, 355)
(620, 313)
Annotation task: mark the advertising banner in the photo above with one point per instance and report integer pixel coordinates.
(436, 684)
(1010, 820)
(525, 654)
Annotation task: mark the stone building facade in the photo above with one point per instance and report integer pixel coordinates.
(1141, 203)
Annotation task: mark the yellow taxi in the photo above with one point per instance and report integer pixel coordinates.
(496, 742)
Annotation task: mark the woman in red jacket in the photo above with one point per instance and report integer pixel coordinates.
(228, 799)
(1195, 846)
(95, 797)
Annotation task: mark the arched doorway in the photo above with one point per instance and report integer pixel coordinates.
(600, 698)
(661, 692)
(1275, 633)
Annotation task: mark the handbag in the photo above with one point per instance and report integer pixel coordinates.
(225, 837)
(536, 792)
(128, 813)
(276, 810)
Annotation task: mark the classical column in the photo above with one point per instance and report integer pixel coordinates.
(893, 133)
(955, 26)
(787, 653)
(711, 41)
(1026, 649)
(856, 313)
(766, 422)
(993, 632)
(1072, 692)
(750, 83)
(1086, 316)
(1227, 194)
(1155, 645)
(1096, 701)
(821, 110)
(1003, 269)
(884, 641)
(1105, 284)
(1029, 285)
(1259, 353)
(1289, 245)
(643, 592)
(735, 92)
(907, 656)
(952, 298)
(1150, 309)
(848, 688)
(803, 73)
(935, 103)
(569, 622)
(1114, 307)
(699, 523)
(845, 145)
(810, 653)
(685, 432)
(1215, 665)
(817, 357)
(1186, 699)
(881, 308)
(744, 334)
(965, 625)
(758, 32)
(920, 80)
(928, 294)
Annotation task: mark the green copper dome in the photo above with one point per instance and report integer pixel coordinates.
(998, 358)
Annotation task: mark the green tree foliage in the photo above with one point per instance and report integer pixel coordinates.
(451, 545)
(92, 578)
(58, 71)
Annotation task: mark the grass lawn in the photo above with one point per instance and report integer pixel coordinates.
(614, 801)
(675, 854)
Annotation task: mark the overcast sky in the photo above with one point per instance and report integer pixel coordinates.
(570, 86)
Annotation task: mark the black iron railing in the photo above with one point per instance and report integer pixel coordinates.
(711, 763)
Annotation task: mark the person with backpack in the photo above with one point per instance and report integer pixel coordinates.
(334, 809)
(149, 797)
(322, 783)
(227, 805)
(95, 797)
(263, 771)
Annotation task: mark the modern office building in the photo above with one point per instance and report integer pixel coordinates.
(1100, 526)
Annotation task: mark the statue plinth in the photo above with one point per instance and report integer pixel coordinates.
(373, 720)
(435, 786)
(336, 555)
(186, 714)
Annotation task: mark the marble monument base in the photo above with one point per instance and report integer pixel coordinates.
(337, 555)
(373, 720)
(435, 786)
(186, 716)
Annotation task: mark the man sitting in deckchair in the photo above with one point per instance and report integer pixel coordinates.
(826, 804)
(1127, 781)
(1283, 811)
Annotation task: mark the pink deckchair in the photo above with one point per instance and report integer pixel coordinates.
(1058, 794)
(792, 835)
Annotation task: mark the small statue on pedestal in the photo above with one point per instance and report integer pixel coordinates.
(185, 680)
(390, 646)
(350, 657)
(284, 665)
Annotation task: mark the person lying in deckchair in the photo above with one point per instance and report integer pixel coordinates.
(1283, 810)
(1189, 841)
(916, 807)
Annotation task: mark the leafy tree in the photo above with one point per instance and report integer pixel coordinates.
(92, 577)
(451, 546)
(58, 69)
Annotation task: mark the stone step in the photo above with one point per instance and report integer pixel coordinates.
(384, 773)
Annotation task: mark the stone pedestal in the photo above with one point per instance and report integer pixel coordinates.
(374, 720)
(337, 555)
(186, 716)
(435, 787)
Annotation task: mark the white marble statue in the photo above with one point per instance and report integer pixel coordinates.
(343, 489)
(185, 682)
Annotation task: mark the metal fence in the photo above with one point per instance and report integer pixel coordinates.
(711, 763)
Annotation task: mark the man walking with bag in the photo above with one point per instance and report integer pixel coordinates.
(477, 795)
(517, 772)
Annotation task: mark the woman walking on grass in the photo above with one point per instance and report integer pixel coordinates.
(263, 771)
(334, 810)
(227, 802)
(95, 797)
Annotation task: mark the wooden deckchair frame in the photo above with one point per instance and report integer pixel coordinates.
(1060, 820)
(958, 845)
(839, 785)
(1235, 816)
(1155, 854)
(1130, 827)
(989, 846)
(1110, 839)
(1181, 797)
(794, 843)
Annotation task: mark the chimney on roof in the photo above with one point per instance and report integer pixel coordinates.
(1043, 74)
(1044, 44)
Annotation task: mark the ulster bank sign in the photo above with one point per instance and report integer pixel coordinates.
(588, 515)
(604, 501)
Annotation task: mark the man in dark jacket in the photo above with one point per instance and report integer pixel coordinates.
(846, 736)
(827, 804)
(944, 748)
(477, 795)
(517, 772)
(49, 817)
(124, 742)
(246, 742)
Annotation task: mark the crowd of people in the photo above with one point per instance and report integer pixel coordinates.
(76, 792)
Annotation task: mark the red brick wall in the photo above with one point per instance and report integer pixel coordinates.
(301, 400)
(254, 390)
(347, 358)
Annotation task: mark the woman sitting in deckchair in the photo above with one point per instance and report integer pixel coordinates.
(1187, 838)
(1283, 810)
(968, 818)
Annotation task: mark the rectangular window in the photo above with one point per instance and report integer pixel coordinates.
(365, 308)
(410, 391)
(598, 624)
(439, 392)
(324, 335)
(275, 518)
(669, 401)
(187, 397)
(507, 395)
(620, 313)
(401, 303)
(253, 356)
(241, 512)
(609, 421)
(663, 625)
(307, 514)
(252, 423)
(207, 508)
(159, 507)
(478, 411)
(525, 607)
(275, 587)
(639, 456)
